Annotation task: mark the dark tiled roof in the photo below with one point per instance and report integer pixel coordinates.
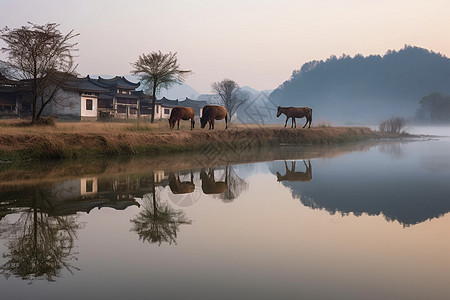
(192, 103)
(169, 103)
(172, 103)
(84, 84)
(6, 81)
(117, 82)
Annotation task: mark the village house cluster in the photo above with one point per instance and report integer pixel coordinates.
(91, 99)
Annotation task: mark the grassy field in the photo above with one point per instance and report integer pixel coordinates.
(88, 139)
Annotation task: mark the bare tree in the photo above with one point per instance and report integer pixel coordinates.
(41, 56)
(157, 70)
(393, 125)
(231, 95)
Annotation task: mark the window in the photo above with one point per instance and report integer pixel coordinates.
(88, 104)
(166, 111)
(157, 109)
(89, 186)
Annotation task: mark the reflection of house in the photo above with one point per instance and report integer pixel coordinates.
(160, 176)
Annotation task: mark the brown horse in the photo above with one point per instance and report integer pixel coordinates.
(181, 187)
(211, 113)
(210, 185)
(181, 113)
(296, 112)
(292, 175)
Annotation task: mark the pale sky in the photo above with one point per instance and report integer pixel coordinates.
(257, 43)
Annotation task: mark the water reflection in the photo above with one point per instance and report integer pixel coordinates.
(158, 222)
(181, 187)
(396, 189)
(39, 245)
(227, 188)
(39, 217)
(209, 183)
(393, 150)
(293, 175)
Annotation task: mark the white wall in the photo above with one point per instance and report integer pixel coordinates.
(89, 113)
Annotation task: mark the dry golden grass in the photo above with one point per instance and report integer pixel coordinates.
(81, 139)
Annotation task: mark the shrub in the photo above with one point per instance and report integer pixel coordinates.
(393, 125)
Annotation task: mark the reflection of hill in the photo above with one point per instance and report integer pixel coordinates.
(374, 188)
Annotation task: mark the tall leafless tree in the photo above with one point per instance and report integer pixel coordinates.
(42, 57)
(231, 95)
(157, 70)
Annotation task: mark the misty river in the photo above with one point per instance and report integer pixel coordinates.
(356, 221)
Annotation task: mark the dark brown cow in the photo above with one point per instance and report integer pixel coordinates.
(211, 113)
(181, 187)
(210, 185)
(296, 112)
(292, 175)
(181, 113)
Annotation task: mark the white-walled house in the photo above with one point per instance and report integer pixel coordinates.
(164, 106)
(76, 100)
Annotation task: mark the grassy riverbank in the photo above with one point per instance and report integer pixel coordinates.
(75, 140)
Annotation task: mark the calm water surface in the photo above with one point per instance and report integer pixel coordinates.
(363, 221)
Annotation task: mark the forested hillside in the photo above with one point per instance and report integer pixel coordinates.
(366, 89)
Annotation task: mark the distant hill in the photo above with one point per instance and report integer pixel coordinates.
(179, 91)
(366, 89)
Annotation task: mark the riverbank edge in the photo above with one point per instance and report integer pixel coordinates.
(60, 145)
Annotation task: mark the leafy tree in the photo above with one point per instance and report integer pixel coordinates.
(436, 107)
(231, 95)
(157, 70)
(41, 56)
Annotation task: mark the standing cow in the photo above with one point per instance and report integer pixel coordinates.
(211, 113)
(181, 113)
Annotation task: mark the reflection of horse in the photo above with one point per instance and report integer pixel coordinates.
(211, 113)
(291, 175)
(181, 187)
(210, 185)
(296, 112)
(181, 113)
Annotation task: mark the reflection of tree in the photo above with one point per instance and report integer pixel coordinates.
(228, 188)
(158, 222)
(394, 150)
(40, 246)
(235, 187)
